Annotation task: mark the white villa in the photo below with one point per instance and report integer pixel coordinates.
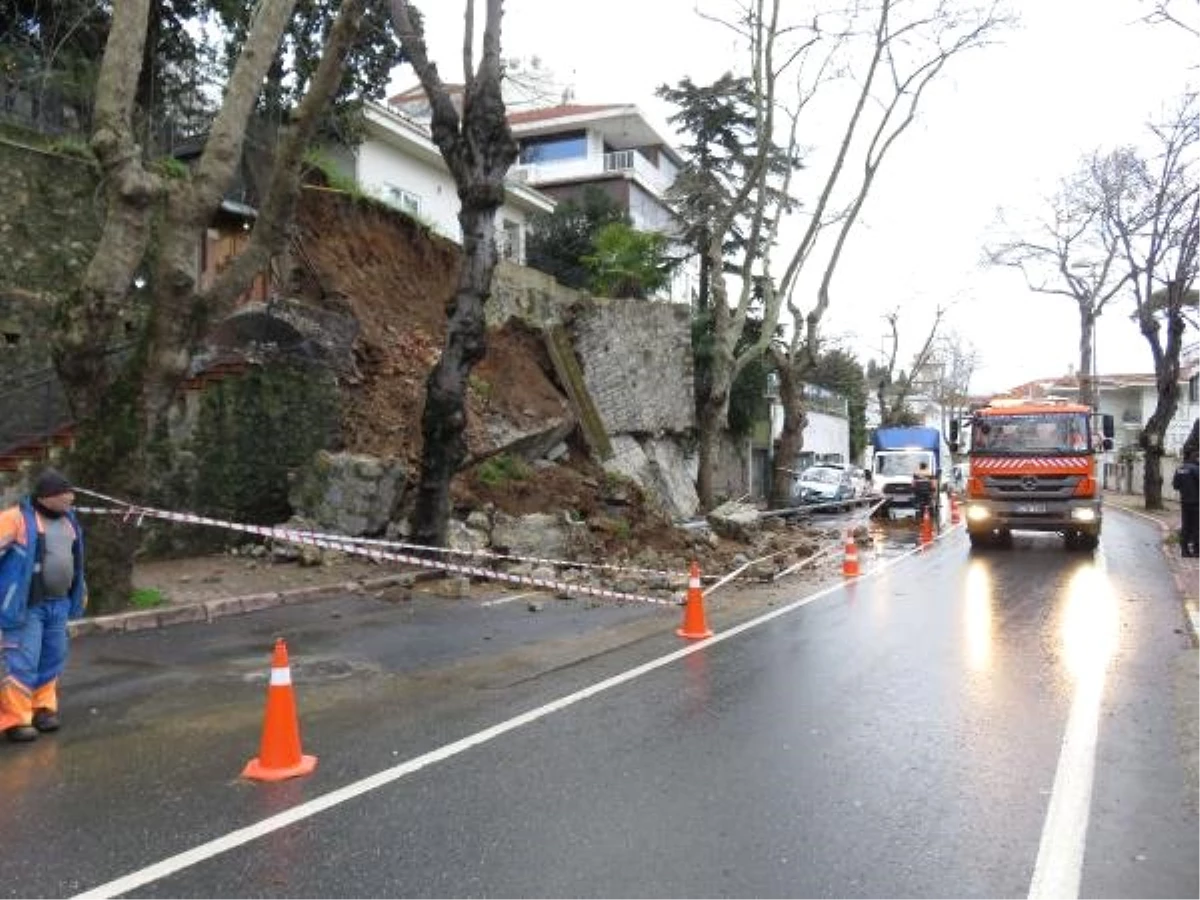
(613, 147)
(563, 150)
(398, 162)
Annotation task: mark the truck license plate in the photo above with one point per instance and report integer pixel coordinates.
(1031, 507)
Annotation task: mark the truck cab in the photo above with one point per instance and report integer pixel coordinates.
(897, 455)
(1033, 468)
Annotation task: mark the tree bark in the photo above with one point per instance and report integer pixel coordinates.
(120, 405)
(1167, 380)
(1087, 383)
(443, 424)
(791, 436)
(478, 148)
(714, 407)
(709, 427)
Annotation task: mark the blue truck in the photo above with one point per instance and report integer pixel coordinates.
(898, 452)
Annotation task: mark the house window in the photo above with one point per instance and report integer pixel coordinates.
(510, 241)
(572, 145)
(1194, 389)
(402, 199)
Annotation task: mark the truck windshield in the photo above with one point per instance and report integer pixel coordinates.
(1042, 433)
(902, 463)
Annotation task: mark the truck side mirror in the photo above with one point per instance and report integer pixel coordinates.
(1106, 424)
(954, 431)
(1108, 443)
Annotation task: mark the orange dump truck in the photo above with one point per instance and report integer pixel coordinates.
(1033, 468)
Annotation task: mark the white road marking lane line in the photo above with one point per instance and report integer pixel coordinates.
(1089, 636)
(510, 598)
(310, 808)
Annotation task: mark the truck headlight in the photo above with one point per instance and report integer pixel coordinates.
(977, 513)
(1084, 514)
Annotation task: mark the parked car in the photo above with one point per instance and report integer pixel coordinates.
(823, 484)
(859, 478)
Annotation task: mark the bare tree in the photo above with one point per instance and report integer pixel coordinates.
(892, 388)
(478, 148)
(752, 206)
(954, 361)
(1073, 252)
(909, 47)
(1182, 14)
(530, 84)
(1155, 213)
(152, 227)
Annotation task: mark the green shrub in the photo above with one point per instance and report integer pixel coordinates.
(147, 598)
(501, 469)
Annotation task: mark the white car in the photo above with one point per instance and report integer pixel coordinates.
(859, 478)
(823, 484)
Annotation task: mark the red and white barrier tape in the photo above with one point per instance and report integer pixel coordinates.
(363, 547)
(309, 539)
(420, 548)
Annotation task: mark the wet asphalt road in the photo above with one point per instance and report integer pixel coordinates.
(898, 736)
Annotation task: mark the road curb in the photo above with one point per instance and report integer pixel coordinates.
(219, 607)
(1191, 607)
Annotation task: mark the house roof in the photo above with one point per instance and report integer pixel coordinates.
(561, 111)
(1070, 384)
(623, 125)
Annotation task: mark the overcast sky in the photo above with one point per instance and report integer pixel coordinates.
(1002, 126)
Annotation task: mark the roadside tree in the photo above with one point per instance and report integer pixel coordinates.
(732, 196)
(895, 50)
(1153, 210)
(894, 388)
(143, 269)
(478, 147)
(1073, 251)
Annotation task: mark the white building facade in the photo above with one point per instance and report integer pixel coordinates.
(398, 163)
(568, 148)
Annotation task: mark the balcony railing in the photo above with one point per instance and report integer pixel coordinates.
(623, 161)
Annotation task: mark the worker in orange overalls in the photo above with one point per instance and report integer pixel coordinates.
(41, 587)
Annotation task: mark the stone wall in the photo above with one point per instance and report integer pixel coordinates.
(44, 247)
(637, 362)
(529, 295)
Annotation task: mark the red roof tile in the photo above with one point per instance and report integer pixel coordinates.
(558, 112)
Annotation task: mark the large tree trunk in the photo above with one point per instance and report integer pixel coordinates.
(120, 405)
(714, 408)
(478, 148)
(791, 437)
(1088, 391)
(1166, 373)
(444, 422)
(710, 422)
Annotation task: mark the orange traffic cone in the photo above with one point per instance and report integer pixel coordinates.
(694, 627)
(926, 528)
(279, 755)
(954, 515)
(850, 562)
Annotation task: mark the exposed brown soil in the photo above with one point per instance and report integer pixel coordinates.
(397, 279)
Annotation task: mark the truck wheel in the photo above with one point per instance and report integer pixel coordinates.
(979, 539)
(1089, 542)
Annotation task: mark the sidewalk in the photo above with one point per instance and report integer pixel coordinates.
(200, 589)
(1185, 571)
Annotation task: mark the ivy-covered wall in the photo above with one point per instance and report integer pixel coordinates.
(234, 459)
(51, 214)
